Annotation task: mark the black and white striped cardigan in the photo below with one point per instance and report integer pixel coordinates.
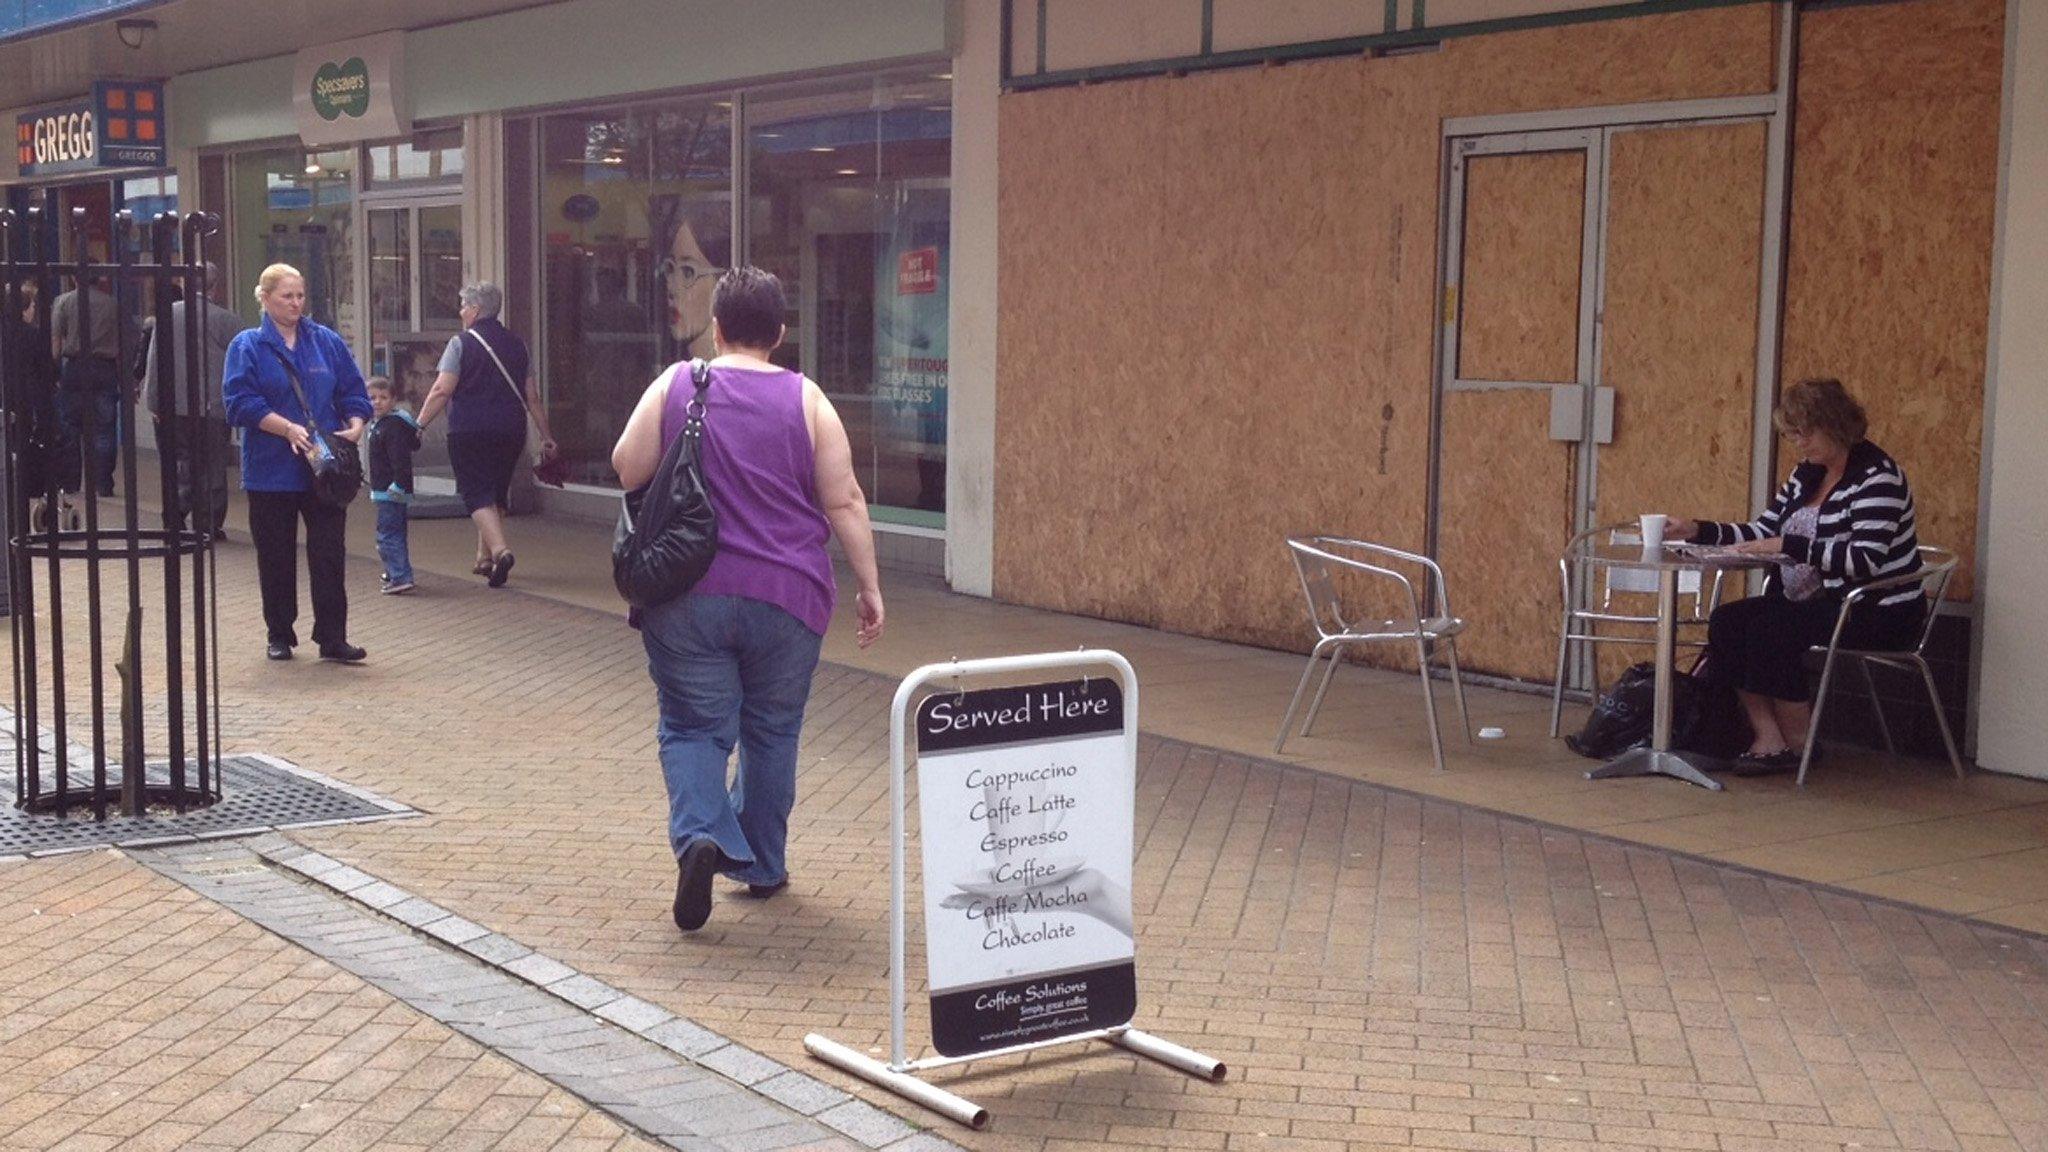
(1866, 525)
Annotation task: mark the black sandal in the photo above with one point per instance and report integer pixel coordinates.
(501, 568)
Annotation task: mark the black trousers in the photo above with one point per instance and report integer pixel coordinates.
(202, 493)
(274, 529)
(1759, 644)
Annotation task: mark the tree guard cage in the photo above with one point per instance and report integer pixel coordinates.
(164, 675)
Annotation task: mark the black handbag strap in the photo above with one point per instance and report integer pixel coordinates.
(292, 373)
(680, 451)
(693, 412)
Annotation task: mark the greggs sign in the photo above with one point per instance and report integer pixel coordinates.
(120, 126)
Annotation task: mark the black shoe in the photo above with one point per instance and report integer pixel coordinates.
(501, 569)
(694, 868)
(277, 651)
(343, 653)
(1768, 764)
(764, 891)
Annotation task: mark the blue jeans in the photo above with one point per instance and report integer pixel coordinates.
(391, 521)
(93, 384)
(730, 670)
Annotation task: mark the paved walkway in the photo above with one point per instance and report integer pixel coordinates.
(1378, 967)
(1903, 830)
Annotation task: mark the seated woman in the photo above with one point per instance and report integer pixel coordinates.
(1844, 518)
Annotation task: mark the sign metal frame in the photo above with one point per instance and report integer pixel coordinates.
(898, 1074)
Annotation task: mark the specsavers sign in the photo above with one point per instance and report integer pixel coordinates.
(352, 91)
(1026, 801)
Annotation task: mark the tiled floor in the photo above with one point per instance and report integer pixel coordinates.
(1903, 830)
(1383, 956)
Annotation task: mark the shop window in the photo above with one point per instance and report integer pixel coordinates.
(635, 219)
(849, 204)
(297, 208)
(432, 155)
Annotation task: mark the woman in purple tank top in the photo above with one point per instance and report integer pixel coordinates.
(732, 661)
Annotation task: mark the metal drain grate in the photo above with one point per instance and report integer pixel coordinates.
(259, 793)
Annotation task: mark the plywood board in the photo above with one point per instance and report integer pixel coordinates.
(1507, 496)
(1196, 363)
(1518, 300)
(1089, 33)
(1218, 306)
(1683, 56)
(1889, 279)
(1684, 234)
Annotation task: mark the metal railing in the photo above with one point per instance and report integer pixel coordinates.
(53, 415)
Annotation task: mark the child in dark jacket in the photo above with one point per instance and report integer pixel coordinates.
(394, 437)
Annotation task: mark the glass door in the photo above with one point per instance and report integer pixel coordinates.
(415, 252)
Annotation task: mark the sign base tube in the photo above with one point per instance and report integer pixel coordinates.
(903, 1084)
(1170, 1054)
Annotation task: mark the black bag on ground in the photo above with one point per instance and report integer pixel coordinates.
(1704, 718)
(1621, 718)
(668, 531)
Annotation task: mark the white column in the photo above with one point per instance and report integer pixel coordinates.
(483, 198)
(2012, 670)
(971, 335)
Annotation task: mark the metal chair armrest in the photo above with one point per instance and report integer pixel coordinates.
(1316, 546)
(1885, 583)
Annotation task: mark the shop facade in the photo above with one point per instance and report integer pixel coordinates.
(605, 192)
(1468, 279)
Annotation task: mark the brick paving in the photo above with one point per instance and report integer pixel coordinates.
(1379, 969)
(136, 1015)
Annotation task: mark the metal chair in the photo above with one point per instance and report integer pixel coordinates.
(1937, 565)
(1705, 598)
(1317, 559)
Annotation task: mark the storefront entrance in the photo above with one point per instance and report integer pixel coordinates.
(1598, 356)
(415, 255)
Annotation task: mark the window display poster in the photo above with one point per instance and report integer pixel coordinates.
(1026, 798)
(910, 323)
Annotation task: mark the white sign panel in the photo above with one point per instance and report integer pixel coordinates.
(1026, 798)
(352, 91)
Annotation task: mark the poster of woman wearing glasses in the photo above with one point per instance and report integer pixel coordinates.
(696, 237)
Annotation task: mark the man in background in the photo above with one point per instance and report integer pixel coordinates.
(85, 338)
(204, 430)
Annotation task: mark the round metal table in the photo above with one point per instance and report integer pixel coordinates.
(1660, 758)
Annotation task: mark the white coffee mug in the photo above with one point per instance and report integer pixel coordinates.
(1653, 531)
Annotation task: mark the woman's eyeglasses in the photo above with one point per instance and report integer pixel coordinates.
(683, 273)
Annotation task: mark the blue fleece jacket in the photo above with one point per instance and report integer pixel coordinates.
(254, 384)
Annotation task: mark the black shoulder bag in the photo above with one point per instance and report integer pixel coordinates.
(667, 531)
(337, 467)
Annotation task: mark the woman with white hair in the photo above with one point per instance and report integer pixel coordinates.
(486, 383)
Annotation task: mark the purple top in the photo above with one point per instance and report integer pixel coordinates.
(758, 464)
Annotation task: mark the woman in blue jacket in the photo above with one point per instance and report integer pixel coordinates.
(257, 387)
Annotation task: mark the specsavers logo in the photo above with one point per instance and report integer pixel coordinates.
(342, 89)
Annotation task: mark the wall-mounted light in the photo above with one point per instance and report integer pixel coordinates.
(134, 33)
(312, 167)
